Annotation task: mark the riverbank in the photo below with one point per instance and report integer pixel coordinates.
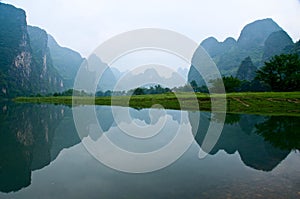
(263, 103)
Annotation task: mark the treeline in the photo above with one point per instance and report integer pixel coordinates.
(157, 89)
(69, 92)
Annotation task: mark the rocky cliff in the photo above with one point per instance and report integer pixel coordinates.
(15, 52)
(47, 77)
(65, 61)
(246, 71)
(26, 63)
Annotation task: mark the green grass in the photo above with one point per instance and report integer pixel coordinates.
(265, 103)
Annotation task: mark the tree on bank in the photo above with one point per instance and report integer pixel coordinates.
(231, 84)
(281, 73)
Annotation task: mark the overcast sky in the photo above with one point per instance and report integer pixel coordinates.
(83, 25)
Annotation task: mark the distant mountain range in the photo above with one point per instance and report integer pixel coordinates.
(32, 62)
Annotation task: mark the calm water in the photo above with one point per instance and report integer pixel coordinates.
(42, 156)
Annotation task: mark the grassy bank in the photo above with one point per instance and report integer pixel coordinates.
(266, 103)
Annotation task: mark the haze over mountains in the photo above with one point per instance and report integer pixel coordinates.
(32, 62)
(258, 42)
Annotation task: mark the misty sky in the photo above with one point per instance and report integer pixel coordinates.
(83, 25)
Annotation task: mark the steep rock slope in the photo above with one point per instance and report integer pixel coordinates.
(25, 61)
(276, 44)
(65, 61)
(15, 52)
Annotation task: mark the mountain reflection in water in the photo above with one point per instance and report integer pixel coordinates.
(33, 135)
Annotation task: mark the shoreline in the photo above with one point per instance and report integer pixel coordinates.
(261, 103)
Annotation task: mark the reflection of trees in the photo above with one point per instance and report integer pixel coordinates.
(229, 119)
(281, 132)
(232, 119)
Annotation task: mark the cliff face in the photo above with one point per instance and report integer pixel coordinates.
(25, 63)
(15, 52)
(65, 61)
(246, 71)
(46, 75)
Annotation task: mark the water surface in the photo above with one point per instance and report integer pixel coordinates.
(42, 156)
